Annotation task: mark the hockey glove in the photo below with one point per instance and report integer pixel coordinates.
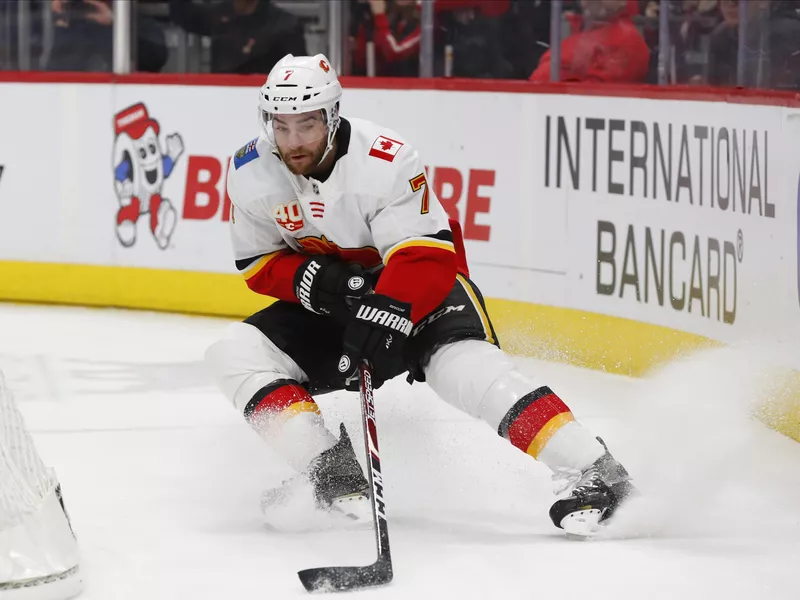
(376, 333)
(326, 286)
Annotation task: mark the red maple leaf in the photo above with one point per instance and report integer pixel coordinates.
(386, 144)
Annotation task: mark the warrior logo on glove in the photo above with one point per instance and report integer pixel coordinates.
(306, 281)
(389, 320)
(376, 333)
(327, 286)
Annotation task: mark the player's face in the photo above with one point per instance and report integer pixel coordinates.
(301, 140)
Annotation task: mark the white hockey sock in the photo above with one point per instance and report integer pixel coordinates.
(300, 439)
(572, 447)
(245, 362)
(479, 379)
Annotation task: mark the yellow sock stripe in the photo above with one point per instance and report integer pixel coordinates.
(253, 269)
(487, 327)
(277, 420)
(270, 423)
(421, 242)
(547, 432)
(298, 407)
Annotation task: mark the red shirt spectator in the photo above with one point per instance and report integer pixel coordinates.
(609, 47)
(395, 29)
(488, 8)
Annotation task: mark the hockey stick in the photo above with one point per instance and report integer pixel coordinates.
(341, 579)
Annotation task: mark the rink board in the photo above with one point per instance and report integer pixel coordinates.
(608, 231)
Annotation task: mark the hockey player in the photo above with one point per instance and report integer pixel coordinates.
(335, 219)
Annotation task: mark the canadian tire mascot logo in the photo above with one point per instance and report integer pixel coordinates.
(140, 167)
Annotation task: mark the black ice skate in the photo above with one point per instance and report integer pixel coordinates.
(332, 490)
(595, 496)
(337, 477)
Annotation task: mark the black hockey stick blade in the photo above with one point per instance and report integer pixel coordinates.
(342, 579)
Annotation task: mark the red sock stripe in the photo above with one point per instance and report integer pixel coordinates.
(280, 398)
(528, 424)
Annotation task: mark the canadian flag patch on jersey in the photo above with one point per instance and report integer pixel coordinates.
(385, 148)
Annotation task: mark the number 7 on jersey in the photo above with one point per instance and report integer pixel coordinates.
(417, 183)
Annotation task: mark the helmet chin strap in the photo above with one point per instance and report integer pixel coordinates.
(327, 151)
(332, 129)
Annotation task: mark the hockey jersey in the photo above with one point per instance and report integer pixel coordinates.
(374, 208)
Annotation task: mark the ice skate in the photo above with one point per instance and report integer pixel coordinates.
(595, 494)
(337, 477)
(331, 492)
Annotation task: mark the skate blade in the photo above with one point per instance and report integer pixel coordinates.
(293, 509)
(357, 508)
(582, 524)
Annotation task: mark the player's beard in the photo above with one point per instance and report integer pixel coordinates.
(311, 157)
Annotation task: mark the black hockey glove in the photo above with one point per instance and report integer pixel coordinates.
(376, 333)
(325, 285)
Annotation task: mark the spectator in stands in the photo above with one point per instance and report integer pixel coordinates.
(608, 47)
(394, 28)
(647, 22)
(151, 40)
(525, 35)
(772, 47)
(473, 29)
(723, 46)
(690, 25)
(247, 36)
(83, 38)
(783, 60)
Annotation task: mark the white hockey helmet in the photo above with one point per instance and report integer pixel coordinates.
(301, 84)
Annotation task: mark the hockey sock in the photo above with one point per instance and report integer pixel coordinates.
(534, 419)
(541, 425)
(288, 418)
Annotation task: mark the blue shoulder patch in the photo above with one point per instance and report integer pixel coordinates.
(245, 154)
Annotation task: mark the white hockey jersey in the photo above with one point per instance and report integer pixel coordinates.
(375, 203)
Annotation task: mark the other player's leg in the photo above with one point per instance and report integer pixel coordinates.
(462, 362)
(268, 367)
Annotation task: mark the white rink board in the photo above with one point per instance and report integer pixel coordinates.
(493, 158)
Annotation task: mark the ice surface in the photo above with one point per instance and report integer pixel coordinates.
(163, 478)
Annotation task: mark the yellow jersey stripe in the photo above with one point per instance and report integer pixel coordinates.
(420, 242)
(253, 269)
(487, 328)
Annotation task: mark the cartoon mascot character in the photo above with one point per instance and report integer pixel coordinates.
(140, 168)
